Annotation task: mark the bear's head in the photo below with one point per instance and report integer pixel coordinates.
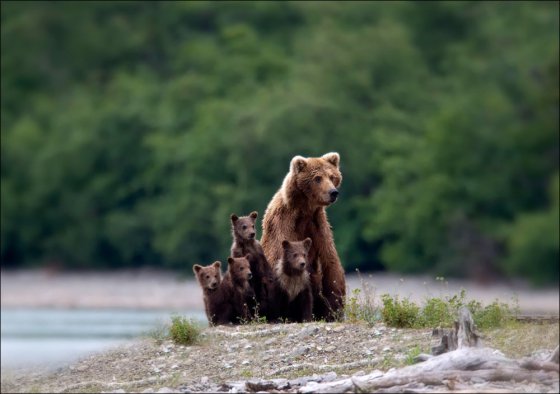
(295, 256)
(208, 277)
(240, 269)
(244, 227)
(314, 178)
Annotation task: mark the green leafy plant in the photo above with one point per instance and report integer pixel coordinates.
(184, 331)
(399, 313)
(442, 311)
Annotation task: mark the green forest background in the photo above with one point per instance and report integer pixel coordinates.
(132, 130)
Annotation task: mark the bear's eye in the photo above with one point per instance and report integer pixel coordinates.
(244, 227)
(317, 179)
(207, 276)
(295, 255)
(240, 268)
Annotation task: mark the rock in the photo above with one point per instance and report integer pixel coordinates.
(245, 362)
(260, 385)
(387, 349)
(308, 331)
(249, 346)
(300, 351)
(204, 380)
(270, 341)
(330, 348)
(338, 329)
(166, 390)
(148, 390)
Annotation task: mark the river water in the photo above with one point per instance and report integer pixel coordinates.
(51, 337)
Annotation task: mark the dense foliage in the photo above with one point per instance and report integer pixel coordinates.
(131, 130)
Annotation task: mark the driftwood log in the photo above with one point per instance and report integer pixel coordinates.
(459, 362)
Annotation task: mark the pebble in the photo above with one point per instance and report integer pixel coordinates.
(204, 380)
(338, 329)
(386, 349)
(248, 346)
(300, 351)
(269, 341)
(330, 348)
(166, 390)
(308, 331)
(245, 362)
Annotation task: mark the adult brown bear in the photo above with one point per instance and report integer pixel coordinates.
(297, 211)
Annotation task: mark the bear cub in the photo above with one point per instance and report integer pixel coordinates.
(217, 307)
(245, 242)
(293, 298)
(237, 289)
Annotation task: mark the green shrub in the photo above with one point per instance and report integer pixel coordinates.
(399, 313)
(436, 312)
(494, 315)
(184, 331)
(443, 312)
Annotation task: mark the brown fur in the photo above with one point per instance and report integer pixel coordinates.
(217, 307)
(293, 298)
(297, 211)
(245, 242)
(237, 289)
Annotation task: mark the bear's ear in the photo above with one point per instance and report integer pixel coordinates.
(332, 157)
(230, 260)
(196, 268)
(285, 244)
(233, 218)
(254, 214)
(217, 264)
(307, 243)
(248, 256)
(297, 164)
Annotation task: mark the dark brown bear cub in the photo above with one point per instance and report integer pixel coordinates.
(237, 290)
(245, 242)
(293, 299)
(217, 307)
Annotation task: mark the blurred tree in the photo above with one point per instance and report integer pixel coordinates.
(131, 130)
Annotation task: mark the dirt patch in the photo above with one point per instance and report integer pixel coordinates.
(226, 356)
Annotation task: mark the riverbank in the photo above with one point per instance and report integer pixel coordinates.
(154, 289)
(231, 359)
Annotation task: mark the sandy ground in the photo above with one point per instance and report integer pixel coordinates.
(151, 289)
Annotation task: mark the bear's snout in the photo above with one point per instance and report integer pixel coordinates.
(251, 235)
(302, 264)
(333, 194)
(249, 275)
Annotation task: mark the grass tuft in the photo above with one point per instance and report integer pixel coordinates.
(184, 331)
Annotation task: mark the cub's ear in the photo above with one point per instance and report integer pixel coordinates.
(307, 243)
(196, 268)
(297, 164)
(285, 244)
(230, 260)
(332, 157)
(233, 217)
(254, 214)
(248, 256)
(217, 264)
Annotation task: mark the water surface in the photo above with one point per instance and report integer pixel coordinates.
(50, 337)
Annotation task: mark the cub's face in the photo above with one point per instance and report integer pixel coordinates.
(244, 226)
(318, 177)
(208, 277)
(295, 254)
(240, 268)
